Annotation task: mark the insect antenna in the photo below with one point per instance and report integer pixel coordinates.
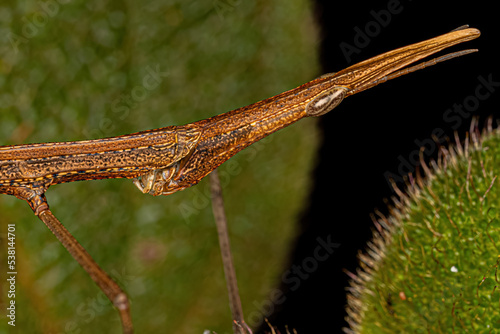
(414, 68)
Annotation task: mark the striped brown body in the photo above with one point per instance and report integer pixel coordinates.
(124, 156)
(166, 160)
(191, 151)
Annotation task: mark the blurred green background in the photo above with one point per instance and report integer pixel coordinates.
(74, 70)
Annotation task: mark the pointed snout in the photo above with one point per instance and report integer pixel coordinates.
(368, 73)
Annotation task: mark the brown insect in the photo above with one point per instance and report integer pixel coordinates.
(170, 159)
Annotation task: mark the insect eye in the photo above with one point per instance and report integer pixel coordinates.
(325, 101)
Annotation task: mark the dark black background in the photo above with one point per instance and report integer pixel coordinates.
(369, 135)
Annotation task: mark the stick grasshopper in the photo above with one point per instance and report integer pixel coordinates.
(166, 160)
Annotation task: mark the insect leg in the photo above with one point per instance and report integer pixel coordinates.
(239, 325)
(110, 288)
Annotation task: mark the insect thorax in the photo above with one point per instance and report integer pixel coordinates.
(161, 181)
(157, 181)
